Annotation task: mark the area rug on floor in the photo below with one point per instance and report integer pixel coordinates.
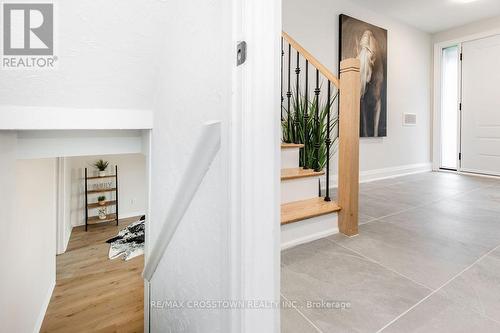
(129, 242)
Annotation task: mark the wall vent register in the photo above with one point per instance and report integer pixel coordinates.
(409, 119)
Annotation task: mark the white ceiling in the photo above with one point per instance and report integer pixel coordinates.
(435, 15)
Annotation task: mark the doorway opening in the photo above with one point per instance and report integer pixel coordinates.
(469, 129)
(85, 226)
(450, 105)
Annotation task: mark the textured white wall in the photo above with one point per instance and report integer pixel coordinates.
(314, 24)
(131, 187)
(195, 87)
(108, 58)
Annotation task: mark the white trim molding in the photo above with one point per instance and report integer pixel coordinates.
(121, 217)
(392, 172)
(309, 230)
(43, 309)
(64, 227)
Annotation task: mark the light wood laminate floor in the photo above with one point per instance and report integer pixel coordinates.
(93, 293)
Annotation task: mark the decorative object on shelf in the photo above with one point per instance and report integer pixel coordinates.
(99, 186)
(129, 242)
(101, 165)
(101, 200)
(102, 213)
(368, 43)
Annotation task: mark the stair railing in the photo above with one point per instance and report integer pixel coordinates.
(342, 125)
(204, 153)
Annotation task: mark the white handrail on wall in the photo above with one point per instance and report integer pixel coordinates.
(204, 153)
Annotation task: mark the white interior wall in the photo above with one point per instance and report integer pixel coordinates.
(131, 185)
(9, 313)
(469, 31)
(315, 25)
(29, 250)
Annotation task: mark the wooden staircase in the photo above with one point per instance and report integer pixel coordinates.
(305, 215)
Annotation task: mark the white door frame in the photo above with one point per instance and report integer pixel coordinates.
(255, 154)
(437, 81)
(61, 238)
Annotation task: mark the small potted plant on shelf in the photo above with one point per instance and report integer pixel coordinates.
(101, 200)
(102, 213)
(101, 165)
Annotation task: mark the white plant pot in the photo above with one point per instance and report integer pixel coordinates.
(102, 213)
(102, 173)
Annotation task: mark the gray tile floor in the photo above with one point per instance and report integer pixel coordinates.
(427, 259)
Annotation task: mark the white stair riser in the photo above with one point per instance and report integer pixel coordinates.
(299, 189)
(309, 230)
(290, 158)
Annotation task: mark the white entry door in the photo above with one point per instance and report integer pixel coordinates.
(481, 106)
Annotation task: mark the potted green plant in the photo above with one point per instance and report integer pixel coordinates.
(101, 165)
(101, 200)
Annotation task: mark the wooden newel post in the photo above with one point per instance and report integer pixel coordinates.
(348, 182)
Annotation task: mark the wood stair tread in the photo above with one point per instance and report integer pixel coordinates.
(291, 145)
(306, 209)
(295, 173)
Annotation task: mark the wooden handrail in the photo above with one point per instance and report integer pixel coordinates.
(312, 60)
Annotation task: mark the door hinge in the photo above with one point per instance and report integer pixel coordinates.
(460, 106)
(241, 53)
(459, 156)
(461, 56)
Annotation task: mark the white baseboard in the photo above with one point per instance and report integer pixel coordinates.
(132, 214)
(122, 216)
(43, 310)
(66, 241)
(309, 238)
(385, 173)
(309, 230)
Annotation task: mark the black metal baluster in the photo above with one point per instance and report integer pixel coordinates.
(306, 115)
(317, 166)
(282, 58)
(296, 116)
(289, 95)
(86, 201)
(328, 142)
(116, 193)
